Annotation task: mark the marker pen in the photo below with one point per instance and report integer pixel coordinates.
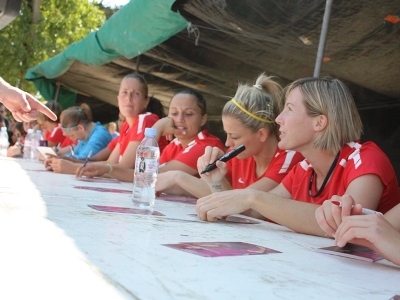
(227, 156)
(364, 211)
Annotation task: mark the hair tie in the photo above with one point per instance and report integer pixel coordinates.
(80, 110)
(250, 114)
(258, 86)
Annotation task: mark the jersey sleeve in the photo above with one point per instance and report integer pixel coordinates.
(282, 163)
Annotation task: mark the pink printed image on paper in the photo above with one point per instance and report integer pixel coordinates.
(99, 189)
(217, 249)
(125, 210)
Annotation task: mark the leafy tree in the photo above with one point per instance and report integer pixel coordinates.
(25, 43)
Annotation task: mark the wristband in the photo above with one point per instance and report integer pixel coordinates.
(110, 169)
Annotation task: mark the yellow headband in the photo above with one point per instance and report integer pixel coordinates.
(250, 114)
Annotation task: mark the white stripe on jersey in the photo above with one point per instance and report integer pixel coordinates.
(288, 160)
(355, 155)
(140, 122)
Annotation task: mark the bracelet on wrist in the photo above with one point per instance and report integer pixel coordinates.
(110, 169)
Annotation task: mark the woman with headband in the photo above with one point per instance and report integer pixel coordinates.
(320, 120)
(248, 119)
(77, 125)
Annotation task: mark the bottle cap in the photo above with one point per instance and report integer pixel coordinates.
(151, 132)
(30, 130)
(38, 131)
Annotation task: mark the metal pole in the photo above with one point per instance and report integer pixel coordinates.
(57, 92)
(322, 38)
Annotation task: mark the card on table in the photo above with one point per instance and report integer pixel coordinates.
(98, 179)
(100, 189)
(217, 249)
(125, 210)
(46, 151)
(352, 251)
(234, 219)
(177, 198)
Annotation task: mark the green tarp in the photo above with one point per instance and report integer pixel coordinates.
(137, 27)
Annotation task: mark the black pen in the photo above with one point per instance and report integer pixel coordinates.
(227, 156)
(87, 158)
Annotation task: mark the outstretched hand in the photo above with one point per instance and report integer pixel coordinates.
(23, 106)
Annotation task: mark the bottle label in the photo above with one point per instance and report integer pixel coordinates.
(146, 165)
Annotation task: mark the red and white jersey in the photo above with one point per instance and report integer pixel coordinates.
(243, 171)
(190, 154)
(355, 160)
(136, 132)
(56, 136)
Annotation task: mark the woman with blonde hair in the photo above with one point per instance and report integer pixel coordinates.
(319, 120)
(77, 124)
(248, 119)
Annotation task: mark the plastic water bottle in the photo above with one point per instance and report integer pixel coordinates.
(35, 142)
(4, 143)
(28, 144)
(146, 169)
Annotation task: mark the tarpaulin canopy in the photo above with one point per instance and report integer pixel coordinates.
(231, 41)
(134, 29)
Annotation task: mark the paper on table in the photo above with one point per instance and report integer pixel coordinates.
(45, 151)
(125, 210)
(98, 179)
(217, 249)
(352, 251)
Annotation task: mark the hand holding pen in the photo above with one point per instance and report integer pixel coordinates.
(227, 156)
(331, 213)
(87, 159)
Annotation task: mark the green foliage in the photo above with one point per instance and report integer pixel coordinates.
(24, 45)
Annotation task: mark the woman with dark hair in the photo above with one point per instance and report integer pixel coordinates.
(186, 120)
(52, 132)
(19, 134)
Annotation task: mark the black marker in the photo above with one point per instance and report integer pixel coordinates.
(227, 156)
(87, 159)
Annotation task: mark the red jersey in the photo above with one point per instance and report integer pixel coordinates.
(355, 160)
(243, 171)
(111, 145)
(56, 136)
(190, 154)
(136, 132)
(67, 142)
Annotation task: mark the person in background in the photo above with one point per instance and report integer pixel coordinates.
(319, 120)
(112, 129)
(77, 124)
(3, 114)
(347, 225)
(51, 130)
(248, 119)
(2, 121)
(140, 111)
(23, 106)
(186, 120)
(104, 154)
(19, 134)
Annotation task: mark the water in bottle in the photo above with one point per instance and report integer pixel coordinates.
(35, 142)
(146, 169)
(28, 144)
(4, 143)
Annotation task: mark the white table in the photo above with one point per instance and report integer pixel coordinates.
(53, 246)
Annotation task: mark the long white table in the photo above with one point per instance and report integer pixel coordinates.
(54, 246)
